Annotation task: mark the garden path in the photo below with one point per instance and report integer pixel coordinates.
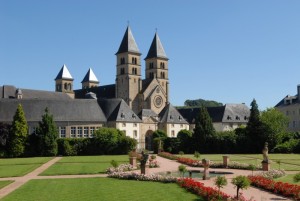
(165, 165)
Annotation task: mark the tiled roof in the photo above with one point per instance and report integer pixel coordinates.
(64, 73)
(170, 115)
(90, 77)
(128, 43)
(156, 49)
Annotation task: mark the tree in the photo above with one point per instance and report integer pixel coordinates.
(277, 124)
(220, 182)
(182, 169)
(203, 130)
(48, 134)
(241, 182)
(4, 134)
(185, 141)
(256, 130)
(159, 136)
(200, 102)
(18, 134)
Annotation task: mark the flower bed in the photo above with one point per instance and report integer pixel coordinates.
(143, 177)
(198, 163)
(168, 155)
(272, 174)
(285, 189)
(208, 193)
(120, 168)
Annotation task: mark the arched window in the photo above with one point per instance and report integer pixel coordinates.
(135, 71)
(122, 71)
(122, 60)
(163, 65)
(66, 86)
(132, 71)
(132, 60)
(69, 87)
(151, 65)
(135, 61)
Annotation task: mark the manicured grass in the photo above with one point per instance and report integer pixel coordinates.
(289, 162)
(84, 165)
(20, 166)
(4, 183)
(105, 189)
(288, 178)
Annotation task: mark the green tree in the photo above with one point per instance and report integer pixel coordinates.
(240, 182)
(48, 134)
(256, 130)
(200, 102)
(107, 140)
(4, 134)
(203, 130)
(220, 182)
(182, 169)
(159, 136)
(277, 124)
(185, 141)
(18, 134)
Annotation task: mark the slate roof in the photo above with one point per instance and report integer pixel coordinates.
(156, 49)
(128, 43)
(106, 91)
(8, 91)
(90, 77)
(226, 113)
(62, 110)
(117, 110)
(293, 99)
(170, 115)
(64, 73)
(147, 113)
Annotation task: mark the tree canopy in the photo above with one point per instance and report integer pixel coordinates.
(48, 134)
(18, 134)
(200, 102)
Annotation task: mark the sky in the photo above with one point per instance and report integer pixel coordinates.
(230, 51)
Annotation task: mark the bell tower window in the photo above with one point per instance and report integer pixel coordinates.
(151, 65)
(122, 60)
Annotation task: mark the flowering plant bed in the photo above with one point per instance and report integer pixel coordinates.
(284, 189)
(208, 193)
(120, 168)
(143, 177)
(168, 155)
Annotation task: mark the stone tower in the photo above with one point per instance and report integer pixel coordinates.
(128, 75)
(64, 81)
(90, 80)
(157, 65)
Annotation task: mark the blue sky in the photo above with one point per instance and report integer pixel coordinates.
(229, 51)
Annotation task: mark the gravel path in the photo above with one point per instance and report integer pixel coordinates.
(165, 165)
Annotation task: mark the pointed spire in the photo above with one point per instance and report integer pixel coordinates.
(64, 73)
(90, 77)
(156, 49)
(128, 43)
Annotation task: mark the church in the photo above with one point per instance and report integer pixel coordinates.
(135, 105)
(132, 104)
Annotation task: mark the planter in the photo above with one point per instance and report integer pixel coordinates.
(225, 161)
(132, 161)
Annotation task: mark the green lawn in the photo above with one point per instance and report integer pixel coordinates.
(288, 178)
(84, 165)
(4, 183)
(290, 162)
(105, 189)
(20, 166)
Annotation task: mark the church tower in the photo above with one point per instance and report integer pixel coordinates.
(128, 75)
(157, 65)
(64, 81)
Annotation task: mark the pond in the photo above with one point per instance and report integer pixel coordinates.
(194, 173)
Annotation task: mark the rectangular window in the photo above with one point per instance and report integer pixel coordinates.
(172, 125)
(92, 130)
(79, 132)
(135, 125)
(181, 125)
(173, 133)
(135, 133)
(33, 130)
(86, 132)
(73, 132)
(294, 124)
(123, 124)
(62, 131)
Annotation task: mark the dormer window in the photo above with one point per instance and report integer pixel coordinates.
(133, 116)
(228, 117)
(171, 117)
(180, 118)
(245, 118)
(237, 118)
(122, 115)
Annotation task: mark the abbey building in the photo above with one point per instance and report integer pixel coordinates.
(136, 105)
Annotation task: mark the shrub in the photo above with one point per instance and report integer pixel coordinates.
(241, 182)
(182, 169)
(143, 177)
(272, 174)
(114, 163)
(296, 177)
(120, 168)
(181, 153)
(197, 154)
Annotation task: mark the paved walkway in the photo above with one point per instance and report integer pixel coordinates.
(165, 165)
